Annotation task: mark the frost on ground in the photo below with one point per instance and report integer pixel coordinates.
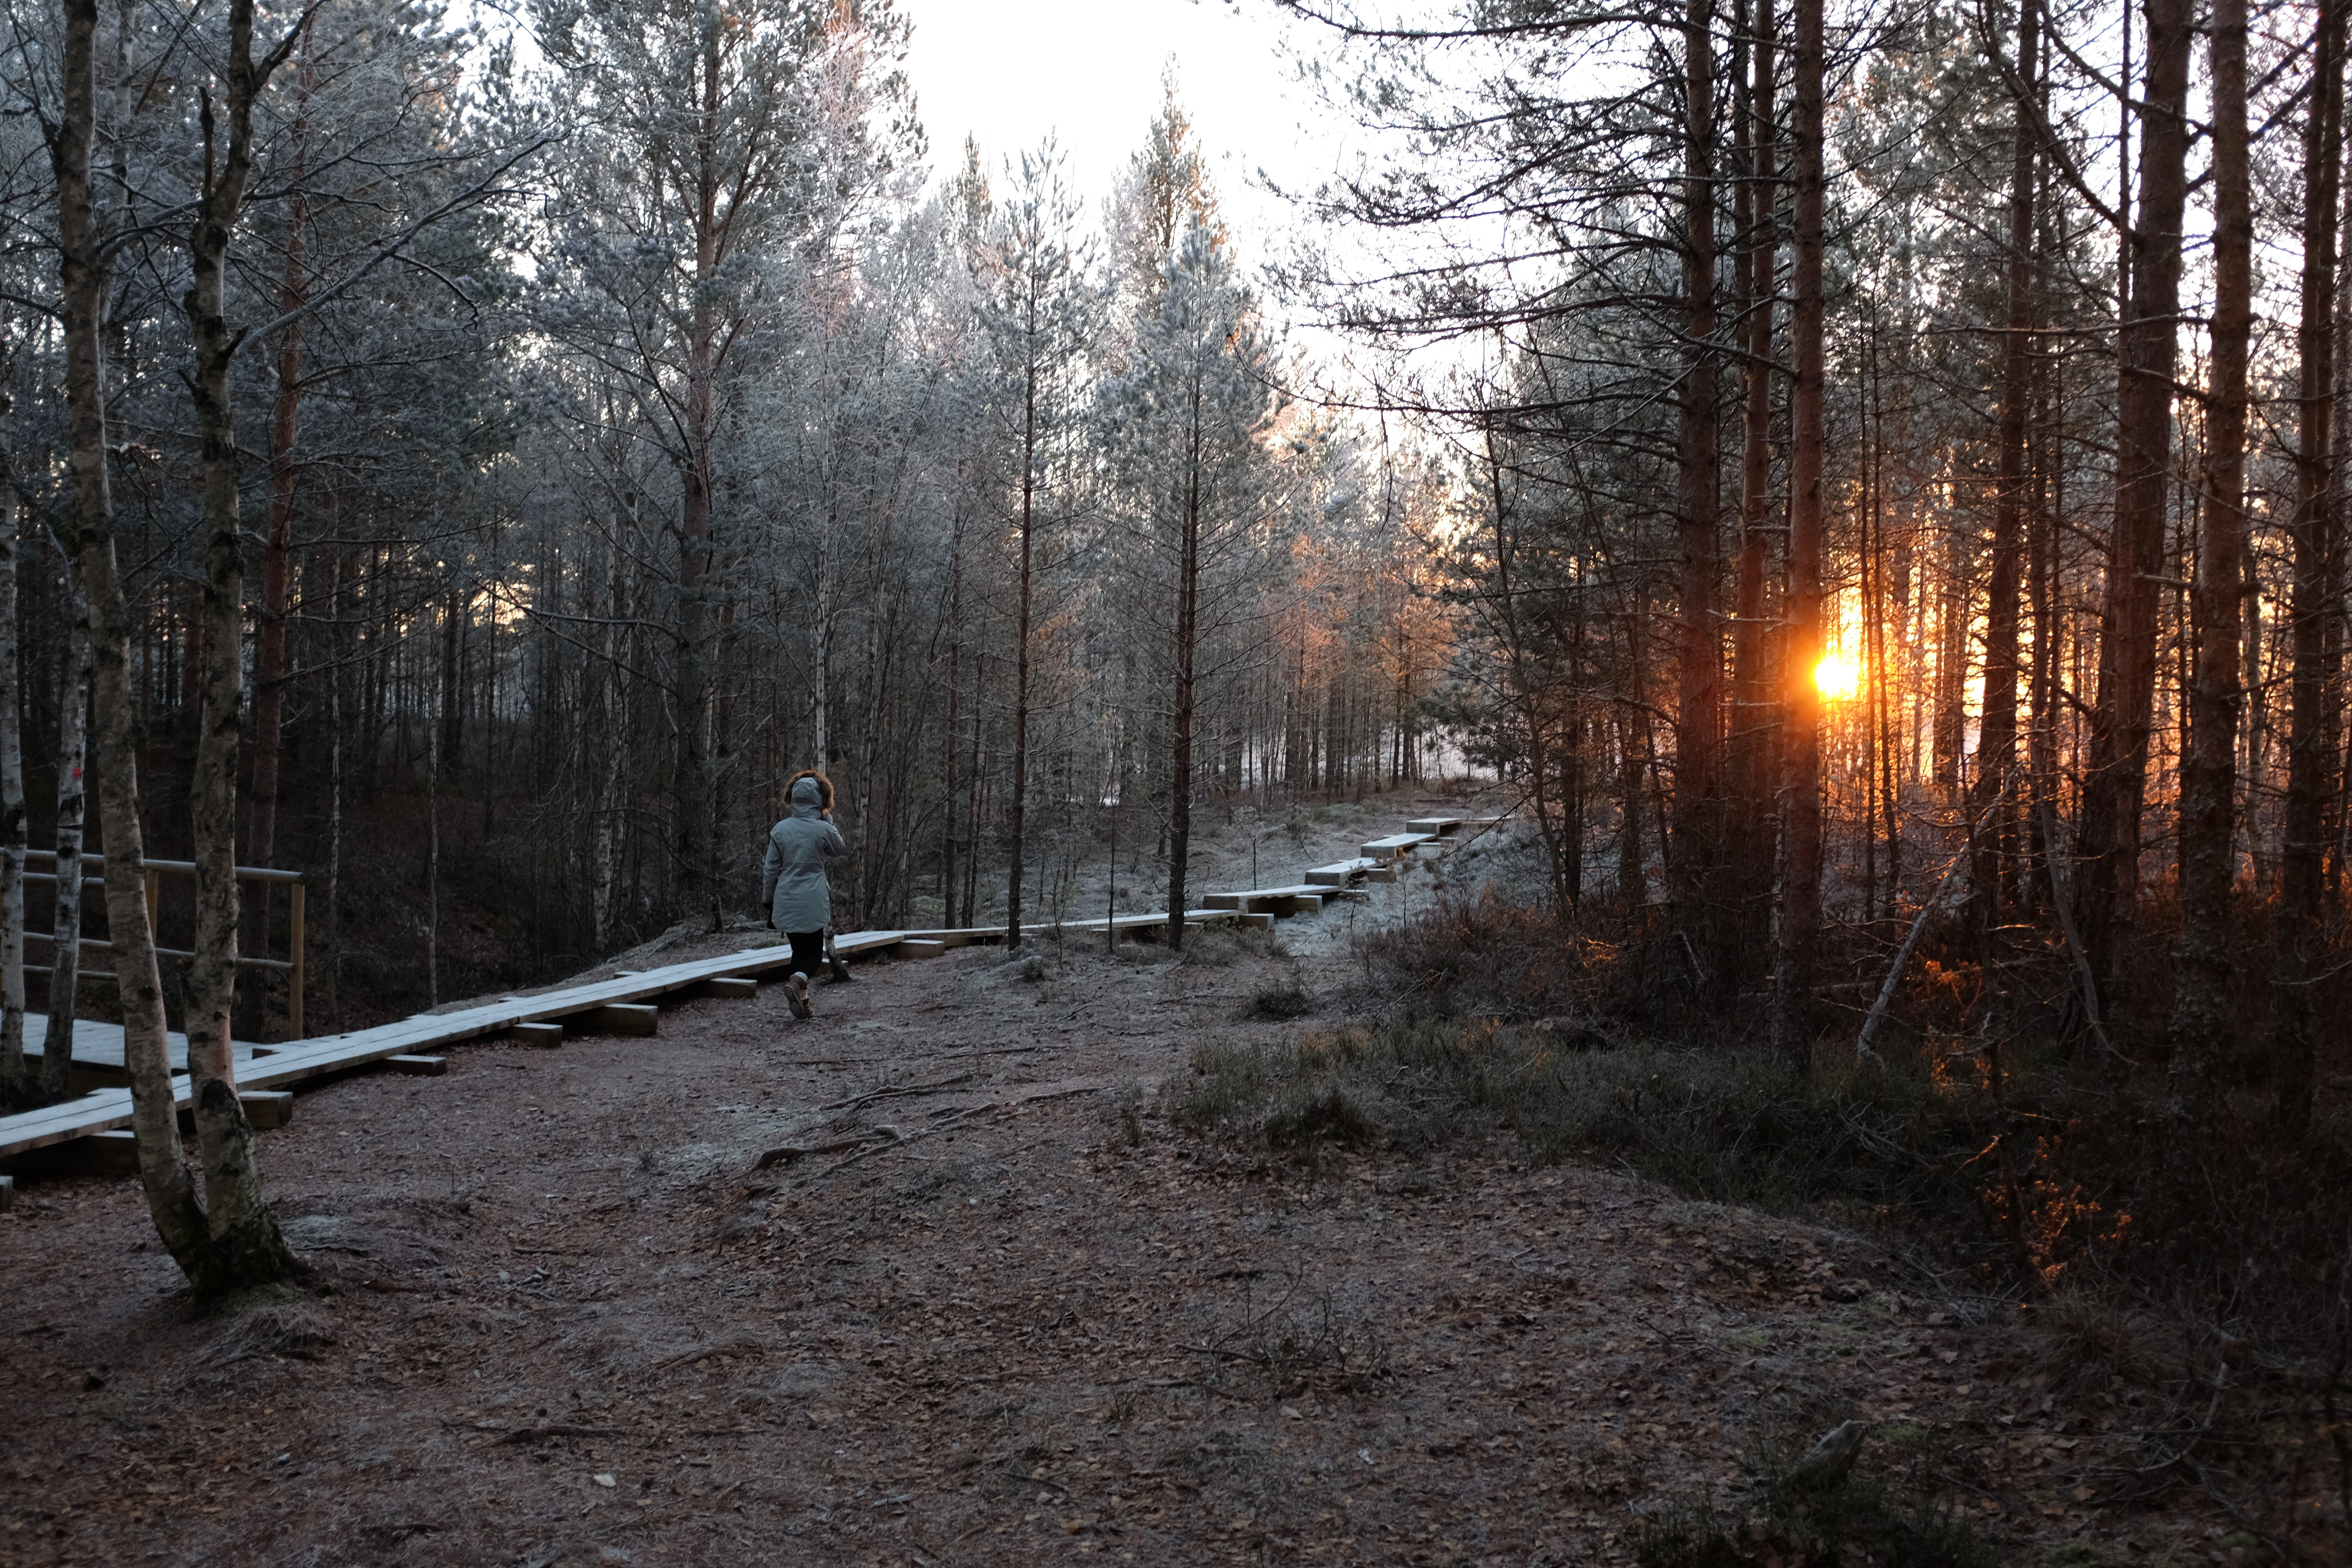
(993, 1308)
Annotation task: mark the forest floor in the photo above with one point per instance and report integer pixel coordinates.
(561, 1316)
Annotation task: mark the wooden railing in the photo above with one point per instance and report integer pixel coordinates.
(289, 966)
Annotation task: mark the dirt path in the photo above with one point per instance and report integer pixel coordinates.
(570, 1322)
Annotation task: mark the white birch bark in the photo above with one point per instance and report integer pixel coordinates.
(65, 924)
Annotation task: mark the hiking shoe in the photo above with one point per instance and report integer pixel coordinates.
(796, 997)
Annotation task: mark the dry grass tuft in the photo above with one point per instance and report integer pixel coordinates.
(294, 1328)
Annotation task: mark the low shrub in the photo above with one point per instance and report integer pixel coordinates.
(1283, 999)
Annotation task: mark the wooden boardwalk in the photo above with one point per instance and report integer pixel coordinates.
(615, 1006)
(624, 1004)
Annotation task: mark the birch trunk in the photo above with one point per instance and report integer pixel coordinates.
(2209, 770)
(243, 1245)
(171, 1195)
(65, 920)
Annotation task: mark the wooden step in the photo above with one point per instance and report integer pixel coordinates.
(919, 947)
(1395, 845)
(540, 1036)
(267, 1109)
(734, 987)
(114, 1152)
(1340, 873)
(618, 1018)
(418, 1066)
(1306, 899)
(1447, 826)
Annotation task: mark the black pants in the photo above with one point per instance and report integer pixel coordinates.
(808, 951)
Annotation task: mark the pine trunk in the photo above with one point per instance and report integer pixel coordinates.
(697, 882)
(269, 658)
(1180, 759)
(1993, 793)
(2315, 600)
(1753, 707)
(1800, 787)
(14, 1083)
(2107, 890)
(1020, 648)
(2209, 770)
(1698, 754)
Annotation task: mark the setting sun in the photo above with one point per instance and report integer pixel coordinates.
(1839, 677)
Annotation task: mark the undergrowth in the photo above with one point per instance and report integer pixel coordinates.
(2210, 1265)
(1897, 1510)
(1992, 1128)
(1724, 1125)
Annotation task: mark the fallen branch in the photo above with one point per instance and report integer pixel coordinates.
(741, 1345)
(555, 1429)
(1911, 939)
(950, 1122)
(1903, 960)
(785, 1154)
(934, 1087)
(2085, 983)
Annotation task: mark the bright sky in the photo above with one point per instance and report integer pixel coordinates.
(1010, 72)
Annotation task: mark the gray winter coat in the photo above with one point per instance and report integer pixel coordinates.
(792, 880)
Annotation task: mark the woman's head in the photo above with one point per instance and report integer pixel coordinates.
(809, 787)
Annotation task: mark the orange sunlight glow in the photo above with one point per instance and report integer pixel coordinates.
(1839, 677)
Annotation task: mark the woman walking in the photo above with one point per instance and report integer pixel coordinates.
(792, 884)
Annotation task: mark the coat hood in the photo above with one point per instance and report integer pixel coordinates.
(808, 798)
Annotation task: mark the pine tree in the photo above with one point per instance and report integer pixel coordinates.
(1187, 425)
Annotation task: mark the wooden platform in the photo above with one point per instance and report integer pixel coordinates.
(99, 1046)
(1125, 925)
(274, 1067)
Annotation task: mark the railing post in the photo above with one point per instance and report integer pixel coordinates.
(294, 985)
